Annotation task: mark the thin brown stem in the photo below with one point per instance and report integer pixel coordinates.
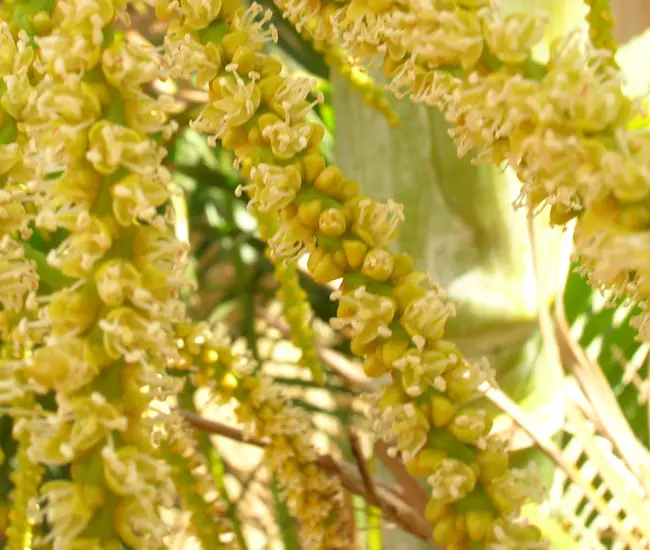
(357, 452)
(392, 503)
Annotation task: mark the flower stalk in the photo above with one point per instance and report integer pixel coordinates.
(26, 478)
(299, 316)
(601, 24)
(195, 485)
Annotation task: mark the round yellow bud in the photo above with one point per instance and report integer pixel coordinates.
(322, 267)
(378, 265)
(479, 523)
(42, 22)
(310, 213)
(393, 395)
(426, 462)
(492, 463)
(442, 411)
(232, 41)
(470, 425)
(374, 367)
(349, 190)
(332, 222)
(244, 58)
(330, 181)
(445, 531)
(436, 509)
(403, 265)
(312, 165)
(355, 252)
(393, 350)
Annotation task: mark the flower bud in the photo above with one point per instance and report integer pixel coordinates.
(355, 252)
(378, 265)
(332, 222)
(393, 350)
(374, 367)
(322, 267)
(444, 531)
(492, 463)
(452, 481)
(403, 266)
(244, 58)
(330, 181)
(310, 212)
(436, 510)
(479, 524)
(442, 411)
(426, 462)
(470, 425)
(312, 166)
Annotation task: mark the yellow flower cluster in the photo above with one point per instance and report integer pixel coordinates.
(565, 127)
(299, 316)
(18, 401)
(80, 156)
(17, 166)
(19, 279)
(314, 499)
(394, 315)
(373, 95)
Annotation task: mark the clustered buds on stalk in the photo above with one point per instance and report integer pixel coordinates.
(79, 155)
(315, 499)
(299, 316)
(394, 315)
(79, 160)
(193, 479)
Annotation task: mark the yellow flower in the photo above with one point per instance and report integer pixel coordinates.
(512, 38)
(67, 367)
(17, 275)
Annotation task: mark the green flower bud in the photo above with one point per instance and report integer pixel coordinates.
(442, 411)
